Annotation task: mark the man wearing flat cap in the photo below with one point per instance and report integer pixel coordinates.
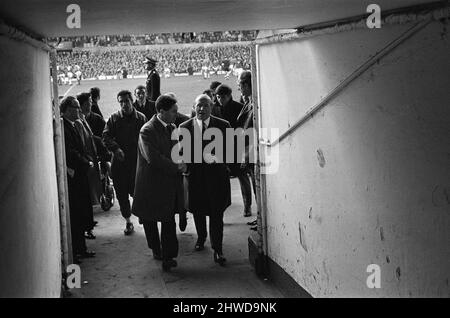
(153, 80)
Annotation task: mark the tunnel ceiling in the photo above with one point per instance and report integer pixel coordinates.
(47, 18)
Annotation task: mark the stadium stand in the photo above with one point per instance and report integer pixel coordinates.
(150, 39)
(107, 62)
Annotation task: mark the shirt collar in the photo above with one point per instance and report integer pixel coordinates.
(162, 121)
(200, 122)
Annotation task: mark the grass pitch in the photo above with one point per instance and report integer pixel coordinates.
(186, 88)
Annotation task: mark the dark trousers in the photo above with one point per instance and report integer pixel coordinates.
(124, 186)
(246, 189)
(215, 229)
(78, 240)
(79, 200)
(167, 246)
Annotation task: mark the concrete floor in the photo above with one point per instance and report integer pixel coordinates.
(124, 265)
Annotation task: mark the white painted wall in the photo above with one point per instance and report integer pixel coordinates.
(29, 235)
(381, 192)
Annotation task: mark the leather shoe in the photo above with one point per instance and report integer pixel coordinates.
(218, 258)
(129, 229)
(89, 235)
(86, 254)
(168, 264)
(157, 256)
(199, 246)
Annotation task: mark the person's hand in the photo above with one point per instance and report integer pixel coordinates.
(91, 164)
(119, 154)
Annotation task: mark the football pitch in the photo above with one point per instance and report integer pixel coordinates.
(186, 88)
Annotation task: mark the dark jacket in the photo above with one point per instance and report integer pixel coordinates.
(231, 111)
(148, 110)
(97, 123)
(245, 117)
(122, 132)
(153, 85)
(77, 162)
(209, 184)
(158, 191)
(245, 121)
(96, 109)
(180, 119)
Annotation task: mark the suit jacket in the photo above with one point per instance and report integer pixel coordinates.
(158, 192)
(231, 111)
(180, 119)
(245, 117)
(96, 109)
(78, 186)
(97, 123)
(209, 183)
(148, 109)
(153, 85)
(245, 121)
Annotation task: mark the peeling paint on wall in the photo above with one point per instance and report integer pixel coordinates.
(320, 158)
(301, 230)
(381, 233)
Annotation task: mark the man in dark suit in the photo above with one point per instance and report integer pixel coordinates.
(121, 138)
(159, 189)
(142, 104)
(208, 176)
(245, 121)
(153, 83)
(78, 164)
(231, 110)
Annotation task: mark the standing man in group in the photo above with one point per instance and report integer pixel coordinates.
(78, 164)
(153, 83)
(208, 180)
(245, 121)
(121, 138)
(159, 188)
(95, 95)
(84, 99)
(230, 111)
(142, 103)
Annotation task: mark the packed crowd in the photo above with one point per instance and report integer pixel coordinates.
(164, 38)
(179, 60)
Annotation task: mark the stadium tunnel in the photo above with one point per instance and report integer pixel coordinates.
(363, 175)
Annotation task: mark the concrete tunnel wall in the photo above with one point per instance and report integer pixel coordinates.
(30, 261)
(366, 180)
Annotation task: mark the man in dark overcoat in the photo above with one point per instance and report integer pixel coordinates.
(78, 164)
(159, 189)
(121, 138)
(208, 176)
(231, 110)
